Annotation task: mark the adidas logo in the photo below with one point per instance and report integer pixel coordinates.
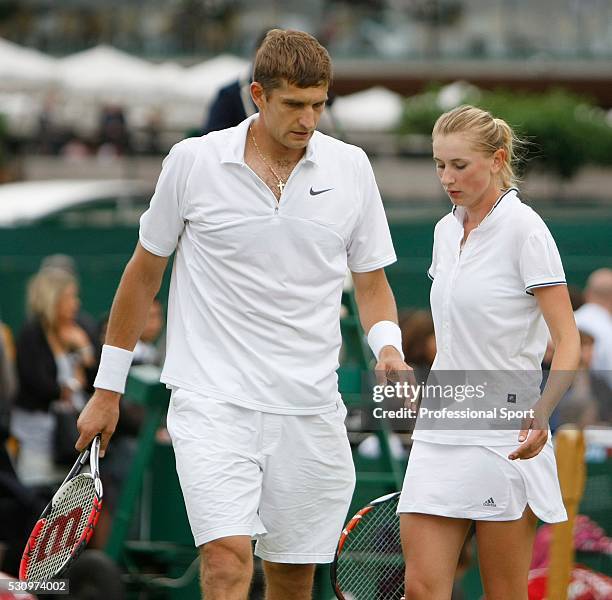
(489, 502)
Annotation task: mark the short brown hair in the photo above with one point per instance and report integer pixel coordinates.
(294, 56)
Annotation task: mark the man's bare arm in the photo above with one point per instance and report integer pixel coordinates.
(376, 303)
(374, 298)
(139, 284)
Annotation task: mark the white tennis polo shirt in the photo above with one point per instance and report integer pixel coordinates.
(486, 317)
(253, 314)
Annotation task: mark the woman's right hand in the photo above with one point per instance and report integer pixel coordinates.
(73, 337)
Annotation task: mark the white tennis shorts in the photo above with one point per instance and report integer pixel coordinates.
(481, 483)
(285, 480)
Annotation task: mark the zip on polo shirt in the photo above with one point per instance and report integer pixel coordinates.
(261, 182)
(462, 246)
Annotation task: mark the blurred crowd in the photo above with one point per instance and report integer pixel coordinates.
(589, 401)
(385, 28)
(47, 370)
(112, 137)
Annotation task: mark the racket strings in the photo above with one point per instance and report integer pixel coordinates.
(371, 565)
(64, 526)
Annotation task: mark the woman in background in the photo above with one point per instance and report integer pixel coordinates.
(55, 364)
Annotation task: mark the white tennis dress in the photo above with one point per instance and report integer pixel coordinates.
(486, 319)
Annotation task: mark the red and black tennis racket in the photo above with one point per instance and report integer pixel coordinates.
(67, 523)
(369, 564)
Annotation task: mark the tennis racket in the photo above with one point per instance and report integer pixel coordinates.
(67, 523)
(369, 564)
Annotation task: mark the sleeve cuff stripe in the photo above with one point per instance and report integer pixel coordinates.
(547, 284)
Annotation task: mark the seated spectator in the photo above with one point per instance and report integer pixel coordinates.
(588, 402)
(7, 383)
(68, 264)
(56, 366)
(418, 341)
(594, 317)
(147, 352)
(579, 404)
(114, 135)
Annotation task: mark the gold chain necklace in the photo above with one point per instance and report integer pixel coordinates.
(281, 184)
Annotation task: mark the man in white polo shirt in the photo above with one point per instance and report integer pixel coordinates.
(265, 219)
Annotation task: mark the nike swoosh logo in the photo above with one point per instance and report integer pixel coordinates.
(317, 192)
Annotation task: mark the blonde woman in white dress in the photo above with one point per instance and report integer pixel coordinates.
(498, 282)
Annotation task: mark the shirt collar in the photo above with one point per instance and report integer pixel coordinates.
(234, 150)
(509, 197)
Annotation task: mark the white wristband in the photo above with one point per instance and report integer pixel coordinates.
(385, 333)
(113, 370)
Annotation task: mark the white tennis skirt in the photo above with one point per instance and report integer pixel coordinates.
(481, 483)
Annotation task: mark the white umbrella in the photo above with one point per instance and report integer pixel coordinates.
(374, 109)
(170, 75)
(21, 110)
(19, 65)
(202, 81)
(108, 73)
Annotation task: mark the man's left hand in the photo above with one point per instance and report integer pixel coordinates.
(391, 368)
